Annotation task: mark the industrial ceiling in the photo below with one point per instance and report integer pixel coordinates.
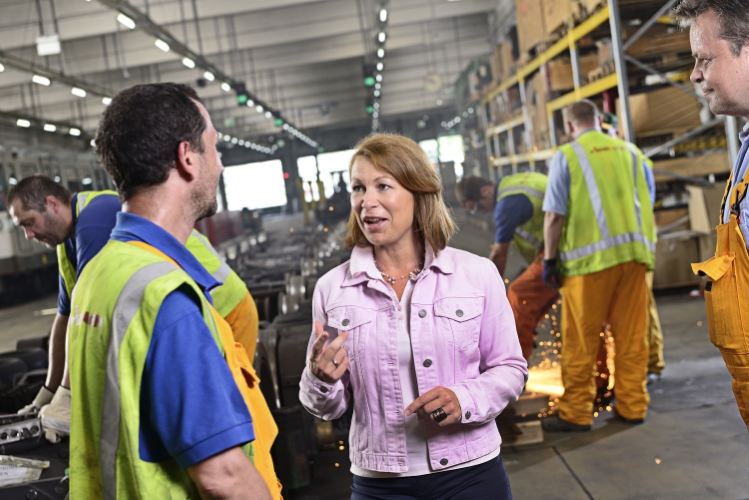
(301, 60)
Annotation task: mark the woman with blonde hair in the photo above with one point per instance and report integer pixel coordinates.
(418, 336)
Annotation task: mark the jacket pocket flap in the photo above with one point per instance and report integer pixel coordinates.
(459, 308)
(346, 318)
(716, 267)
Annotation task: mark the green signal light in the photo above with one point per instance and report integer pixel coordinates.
(370, 109)
(321, 149)
(369, 81)
(242, 98)
(279, 122)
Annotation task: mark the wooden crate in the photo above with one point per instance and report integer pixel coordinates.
(530, 24)
(557, 14)
(658, 41)
(663, 109)
(694, 166)
(502, 62)
(673, 260)
(560, 71)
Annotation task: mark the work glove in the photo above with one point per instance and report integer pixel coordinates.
(552, 274)
(44, 397)
(56, 416)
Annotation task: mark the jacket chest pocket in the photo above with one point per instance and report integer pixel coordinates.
(462, 316)
(355, 320)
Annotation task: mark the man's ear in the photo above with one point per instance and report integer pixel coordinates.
(186, 161)
(52, 204)
(570, 128)
(486, 190)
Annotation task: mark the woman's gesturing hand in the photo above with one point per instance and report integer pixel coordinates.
(328, 363)
(429, 404)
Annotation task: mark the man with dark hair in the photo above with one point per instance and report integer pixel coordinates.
(719, 34)
(517, 204)
(78, 224)
(161, 392)
(599, 240)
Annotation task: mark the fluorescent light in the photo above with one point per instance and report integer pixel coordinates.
(209, 76)
(377, 93)
(225, 87)
(86, 181)
(23, 123)
(2, 68)
(378, 78)
(78, 92)
(241, 142)
(75, 132)
(383, 15)
(93, 145)
(382, 36)
(188, 62)
(48, 127)
(378, 86)
(380, 53)
(259, 108)
(41, 80)
(234, 140)
(106, 101)
(380, 66)
(268, 114)
(126, 21)
(250, 103)
(161, 44)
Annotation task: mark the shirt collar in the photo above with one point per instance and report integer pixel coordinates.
(362, 265)
(131, 227)
(744, 133)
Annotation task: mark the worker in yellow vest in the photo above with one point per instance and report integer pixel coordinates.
(722, 70)
(164, 400)
(599, 240)
(516, 201)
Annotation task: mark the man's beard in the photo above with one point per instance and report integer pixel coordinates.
(55, 231)
(203, 201)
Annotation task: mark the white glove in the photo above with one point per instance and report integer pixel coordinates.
(43, 398)
(56, 416)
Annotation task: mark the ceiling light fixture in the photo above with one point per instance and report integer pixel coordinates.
(162, 45)
(41, 80)
(75, 132)
(378, 78)
(380, 53)
(209, 76)
(106, 101)
(377, 93)
(126, 21)
(250, 103)
(268, 114)
(188, 62)
(48, 127)
(2, 68)
(382, 37)
(383, 15)
(23, 123)
(225, 87)
(259, 108)
(380, 66)
(78, 92)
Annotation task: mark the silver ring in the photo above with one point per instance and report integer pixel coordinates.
(335, 363)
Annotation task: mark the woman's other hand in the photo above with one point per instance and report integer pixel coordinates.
(431, 401)
(328, 363)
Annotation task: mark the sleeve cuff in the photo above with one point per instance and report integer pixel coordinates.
(322, 390)
(467, 406)
(224, 440)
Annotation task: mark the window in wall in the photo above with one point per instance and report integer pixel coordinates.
(255, 185)
(307, 168)
(431, 148)
(334, 162)
(451, 149)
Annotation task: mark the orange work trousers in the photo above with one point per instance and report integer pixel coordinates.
(530, 299)
(727, 301)
(617, 296)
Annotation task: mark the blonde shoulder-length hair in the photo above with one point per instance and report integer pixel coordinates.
(408, 164)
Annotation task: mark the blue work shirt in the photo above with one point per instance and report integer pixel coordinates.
(190, 406)
(509, 213)
(739, 172)
(92, 230)
(558, 188)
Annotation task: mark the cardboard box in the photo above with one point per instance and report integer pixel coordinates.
(530, 23)
(557, 14)
(560, 71)
(502, 62)
(664, 109)
(535, 94)
(659, 40)
(673, 263)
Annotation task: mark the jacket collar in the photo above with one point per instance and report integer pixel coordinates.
(362, 265)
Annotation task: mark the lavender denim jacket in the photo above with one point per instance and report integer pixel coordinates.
(462, 335)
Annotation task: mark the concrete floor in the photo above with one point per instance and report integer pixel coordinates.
(693, 444)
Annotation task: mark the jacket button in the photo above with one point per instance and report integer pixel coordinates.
(459, 313)
(427, 363)
(345, 322)
(422, 313)
(443, 462)
(323, 389)
(468, 415)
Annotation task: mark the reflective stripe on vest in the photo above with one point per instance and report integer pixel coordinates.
(526, 189)
(223, 270)
(125, 309)
(607, 241)
(522, 233)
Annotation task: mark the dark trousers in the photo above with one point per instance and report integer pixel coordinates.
(484, 481)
